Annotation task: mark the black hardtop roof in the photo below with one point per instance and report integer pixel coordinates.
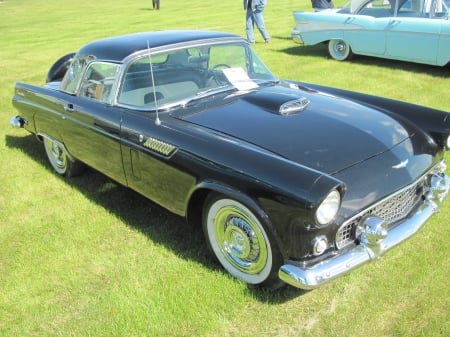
(119, 47)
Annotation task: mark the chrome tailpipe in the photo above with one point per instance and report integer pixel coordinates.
(18, 122)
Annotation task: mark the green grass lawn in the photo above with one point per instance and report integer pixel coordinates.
(88, 257)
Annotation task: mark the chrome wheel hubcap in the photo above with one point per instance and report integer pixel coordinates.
(240, 240)
(59, 157)
(56, 155)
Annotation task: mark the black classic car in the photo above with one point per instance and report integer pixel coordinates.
(292, 182)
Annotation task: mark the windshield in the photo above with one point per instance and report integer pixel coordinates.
(352, 6)
(179, 75)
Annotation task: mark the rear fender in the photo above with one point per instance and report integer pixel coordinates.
(41, 107)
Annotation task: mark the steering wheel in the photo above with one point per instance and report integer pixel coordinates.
(219, 66)
(218, 75)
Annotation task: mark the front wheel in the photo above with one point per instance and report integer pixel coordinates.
(339, 50)
(241, 242)
(59, 159)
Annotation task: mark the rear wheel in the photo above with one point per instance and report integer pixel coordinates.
(339, 50)
(59, 159)
(241, 241)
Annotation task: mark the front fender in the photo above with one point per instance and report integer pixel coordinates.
(286, 203)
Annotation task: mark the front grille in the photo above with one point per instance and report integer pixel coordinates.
(392, 209)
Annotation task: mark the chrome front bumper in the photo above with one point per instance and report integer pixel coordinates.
(376, 240)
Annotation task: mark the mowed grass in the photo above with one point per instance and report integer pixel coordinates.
(88, 257)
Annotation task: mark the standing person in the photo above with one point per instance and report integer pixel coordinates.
(254, 15)
(321, 5)
(155, 4)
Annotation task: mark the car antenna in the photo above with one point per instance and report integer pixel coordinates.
(157, 120)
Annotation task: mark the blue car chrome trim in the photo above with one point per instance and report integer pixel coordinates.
(375, 240)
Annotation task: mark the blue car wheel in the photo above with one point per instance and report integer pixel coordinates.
(339, 50)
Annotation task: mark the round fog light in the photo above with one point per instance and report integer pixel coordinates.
(320, 244)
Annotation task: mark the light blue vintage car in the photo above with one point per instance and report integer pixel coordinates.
(407, 30)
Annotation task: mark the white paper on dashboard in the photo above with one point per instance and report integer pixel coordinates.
(239, 78)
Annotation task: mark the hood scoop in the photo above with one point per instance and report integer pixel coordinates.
(294, 106)
(278, 100)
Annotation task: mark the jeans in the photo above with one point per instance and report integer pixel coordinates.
(257, 18)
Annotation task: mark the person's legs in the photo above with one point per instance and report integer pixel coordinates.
(249, 26)
(259, 20)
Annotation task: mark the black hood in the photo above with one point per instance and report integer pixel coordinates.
(327, 133)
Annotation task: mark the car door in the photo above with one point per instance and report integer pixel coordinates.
(413, 35)
(366, 35)
(366, 29)
(153, 164)
(91, 127)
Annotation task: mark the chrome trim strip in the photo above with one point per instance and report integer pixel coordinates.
(370, 249)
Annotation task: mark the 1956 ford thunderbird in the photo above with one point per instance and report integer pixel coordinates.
(291, 182)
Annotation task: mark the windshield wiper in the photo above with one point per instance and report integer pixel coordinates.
(271, 82)
(224, 88)
(208, 92)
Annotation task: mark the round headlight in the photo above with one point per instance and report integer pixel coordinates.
(328, 208)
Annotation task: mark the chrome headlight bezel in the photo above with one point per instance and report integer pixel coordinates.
(327, 210)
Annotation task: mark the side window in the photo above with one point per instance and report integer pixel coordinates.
(98, 81)
(437, 8)
(378, 8)
(162, 79)
(137, 86)
(73, 76)
(410, 8)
